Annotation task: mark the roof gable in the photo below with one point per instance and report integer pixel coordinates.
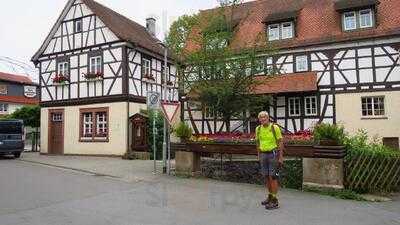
(119, 26)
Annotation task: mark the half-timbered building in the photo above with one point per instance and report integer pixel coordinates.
(338, 62)
(16, 91)
(96, 68)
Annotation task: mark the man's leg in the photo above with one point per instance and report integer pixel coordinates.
(273, 183)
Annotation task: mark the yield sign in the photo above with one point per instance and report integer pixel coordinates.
(170, 110)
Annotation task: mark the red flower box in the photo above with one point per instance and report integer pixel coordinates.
(60, 79)
(149, 77)
(92, 76)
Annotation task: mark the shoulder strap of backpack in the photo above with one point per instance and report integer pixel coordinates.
(274, 133)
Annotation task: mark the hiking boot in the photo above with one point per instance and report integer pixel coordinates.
(267, 201)
(273, 204)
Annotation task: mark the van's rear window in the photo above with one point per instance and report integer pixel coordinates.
(10, 128)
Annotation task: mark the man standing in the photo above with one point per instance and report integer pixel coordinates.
(270, 154)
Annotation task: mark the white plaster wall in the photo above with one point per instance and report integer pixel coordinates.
(72, 145)
(348, 111)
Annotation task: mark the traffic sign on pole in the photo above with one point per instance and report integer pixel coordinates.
(153, 100)
(170, 109)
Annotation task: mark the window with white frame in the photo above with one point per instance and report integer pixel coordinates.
(101, 124)
(358, 19)
(365, 18)
(350, 21)
(57, 117)
(94, 124)
(3, 108)
(310, 105)
(301, 63)
(273, 32)
(279, 31)
(87, 124)
(78, 26)
(294, 106)
(373, 106)
(63, 68)
(146, 67)
(163, 74)
(95, 65)
(287, 30)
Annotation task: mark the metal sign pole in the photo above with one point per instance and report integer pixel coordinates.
(154, 146)
(165, 119)
(169, 150)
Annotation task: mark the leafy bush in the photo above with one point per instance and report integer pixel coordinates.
(29, 114)
(370, 166)
(183, 131)
(330, 132)
(359, 144)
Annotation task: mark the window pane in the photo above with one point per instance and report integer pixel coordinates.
(350, 21)
(294, 106)
(101, 122)
(287, 30)
(301, 63)
(365, 18)
(273, 32)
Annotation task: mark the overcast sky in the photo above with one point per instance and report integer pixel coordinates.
(24, 24)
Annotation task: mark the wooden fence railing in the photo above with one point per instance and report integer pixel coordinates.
(371, 173)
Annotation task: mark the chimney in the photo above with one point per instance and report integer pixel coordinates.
(151, 26)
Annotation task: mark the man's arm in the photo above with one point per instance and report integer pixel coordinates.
(280, 144)
(257, 144)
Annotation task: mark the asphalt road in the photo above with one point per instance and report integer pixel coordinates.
(41, 195)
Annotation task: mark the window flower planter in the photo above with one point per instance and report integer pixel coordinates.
(60, 80)
(300, 144)
(93, 76)
(149, 78)
(304, 151)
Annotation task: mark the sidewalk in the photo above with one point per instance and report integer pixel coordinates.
(126, 170)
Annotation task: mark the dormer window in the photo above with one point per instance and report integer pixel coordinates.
(359, 19)
(357, 14)
(280, 31)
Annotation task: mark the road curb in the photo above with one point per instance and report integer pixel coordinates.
(70, 168)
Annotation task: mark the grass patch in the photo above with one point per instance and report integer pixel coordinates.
(340, 194)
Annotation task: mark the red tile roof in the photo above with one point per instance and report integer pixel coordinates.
(19, 100)
(287, 83)
(15, 78)
(317, 22)
(125, 28)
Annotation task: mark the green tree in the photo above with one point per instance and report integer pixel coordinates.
(159, 122)
(219, 76)
(29, 114)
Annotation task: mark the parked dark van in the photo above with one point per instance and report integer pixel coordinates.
(12, 137)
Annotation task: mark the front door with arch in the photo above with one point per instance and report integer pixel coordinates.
(56, 132)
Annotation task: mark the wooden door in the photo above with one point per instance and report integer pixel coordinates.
(56, 132)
